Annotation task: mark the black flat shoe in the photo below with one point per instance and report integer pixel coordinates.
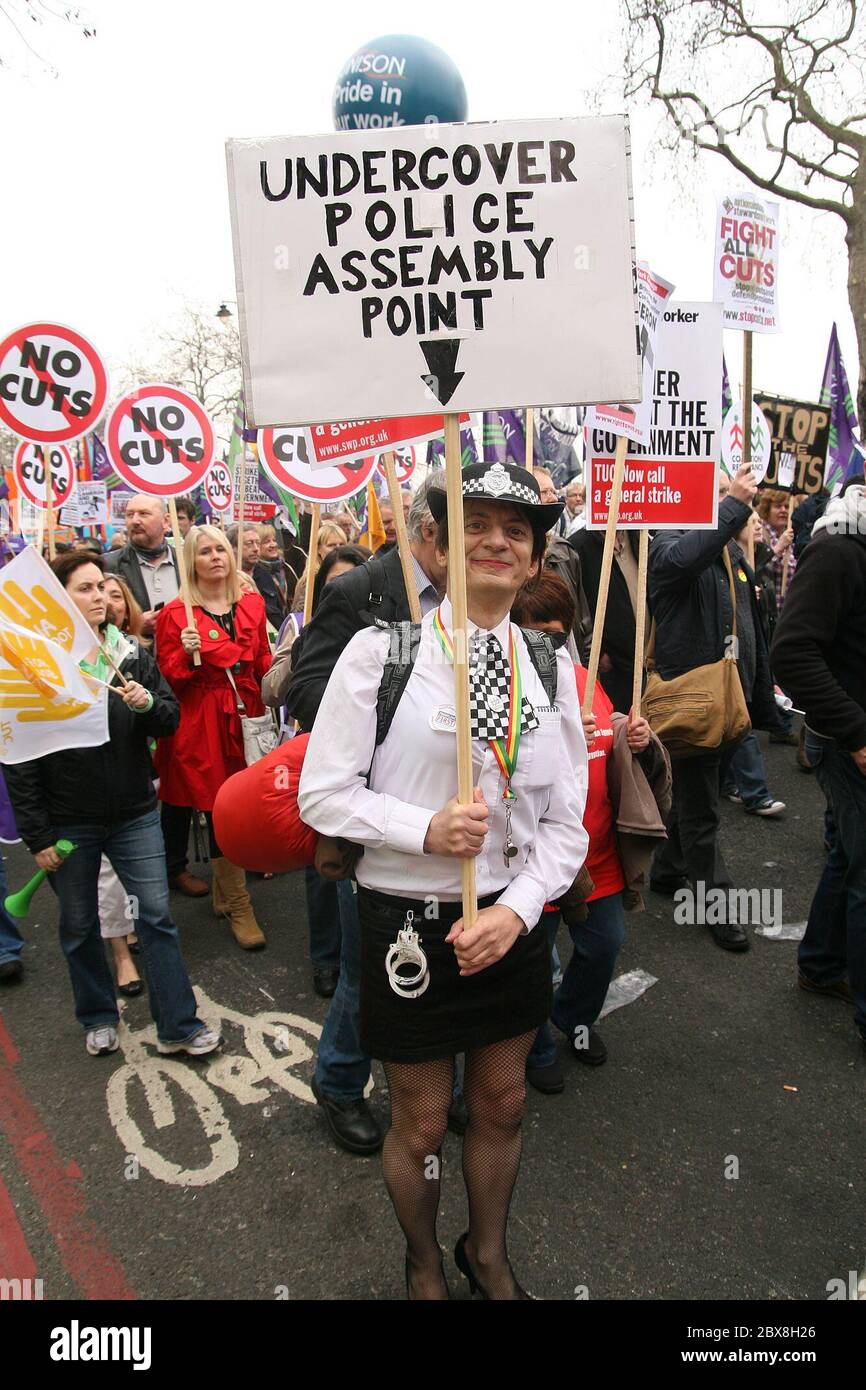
(461, 1260)
(352, 1126)
(325, 983)
(730, 936)
(131, 990)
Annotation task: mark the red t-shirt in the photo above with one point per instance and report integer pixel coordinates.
(602, 860)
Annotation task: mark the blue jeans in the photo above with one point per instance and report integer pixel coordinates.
(136, 852)
(743, 771)
(11, 940)
(342, 1069)
(835, 939)
(323, 917)
(579, 999)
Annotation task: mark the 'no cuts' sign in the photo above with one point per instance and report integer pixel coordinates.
(53, 383)
(160, 440)
(284, 457)
(427, 267)
(219, 488)
(29, 472)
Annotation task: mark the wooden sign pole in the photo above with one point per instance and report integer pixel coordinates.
(459, 621)
(396, 500)
(747, 428)
(181, 570)
(604, 578)
(49, 499)
(640, 623)
(786, 567)
(529, 430)
(242, 492)
(312, 561)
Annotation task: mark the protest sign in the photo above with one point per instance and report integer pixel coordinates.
(219, 488)
(257, 506)
(117, 507)
(653, 293)
(46, 704)
(28, 469)
(387, 274)
(53, 383)
(746, 262)
(733, 442)
(329, 444)
(404, 465)
(670, 482)
(799, 436)
(87, 507)
(285, 458)
(160, 440)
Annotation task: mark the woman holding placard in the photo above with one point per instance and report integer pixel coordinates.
(230, 633)
(432, 984)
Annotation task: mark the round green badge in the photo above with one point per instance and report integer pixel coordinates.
(213, 634)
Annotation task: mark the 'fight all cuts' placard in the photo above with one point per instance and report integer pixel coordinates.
(397, 272)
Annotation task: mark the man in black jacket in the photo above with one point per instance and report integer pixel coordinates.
(148, 564)
(102, 799)
(819, 654)
(350, 603)
(690, 599)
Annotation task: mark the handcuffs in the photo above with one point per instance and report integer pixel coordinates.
(406, 950)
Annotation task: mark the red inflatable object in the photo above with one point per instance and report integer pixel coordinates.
(255, 815)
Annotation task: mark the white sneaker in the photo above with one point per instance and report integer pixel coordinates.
(769, 808)
(199, 1045)
(733, 797)
(101, 1040)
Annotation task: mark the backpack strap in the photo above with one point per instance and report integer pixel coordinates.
(376, 572)
(543, 656)
(401, 658)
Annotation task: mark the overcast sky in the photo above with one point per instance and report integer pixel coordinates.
(114, 175)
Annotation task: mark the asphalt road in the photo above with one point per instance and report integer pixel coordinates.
(127, 1176)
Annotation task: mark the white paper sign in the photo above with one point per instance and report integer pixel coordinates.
(746, 262)
(418, 268)
(634, 422)
(732, 441)
(118, 501)
(88, 506)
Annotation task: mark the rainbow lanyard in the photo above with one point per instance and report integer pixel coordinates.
(504, 750)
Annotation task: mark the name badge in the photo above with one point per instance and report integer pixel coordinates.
(444, 719)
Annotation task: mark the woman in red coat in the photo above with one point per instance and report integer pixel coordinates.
(231, 635)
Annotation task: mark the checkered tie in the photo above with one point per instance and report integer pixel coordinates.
(490, 690)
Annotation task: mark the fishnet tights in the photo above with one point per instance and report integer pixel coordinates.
(494, 1089)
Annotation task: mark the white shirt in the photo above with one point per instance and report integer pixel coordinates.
(413, 773)
(428, 597)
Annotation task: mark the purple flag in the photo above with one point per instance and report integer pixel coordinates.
(468, 452)
(504, 437)
(100, 464)
(845, 455)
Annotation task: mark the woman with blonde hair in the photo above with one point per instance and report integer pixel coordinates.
(229, 631)
(330, 536)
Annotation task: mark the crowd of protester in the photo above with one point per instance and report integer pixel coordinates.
(794, 621)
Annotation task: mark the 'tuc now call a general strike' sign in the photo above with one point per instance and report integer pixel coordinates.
(456, 266)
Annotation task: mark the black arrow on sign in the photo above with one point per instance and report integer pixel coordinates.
(440, 355)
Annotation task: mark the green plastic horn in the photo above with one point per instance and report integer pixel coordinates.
(18, 904)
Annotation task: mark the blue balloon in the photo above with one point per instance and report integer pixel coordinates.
(398, 80)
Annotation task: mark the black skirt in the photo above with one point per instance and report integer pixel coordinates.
(455, 1013)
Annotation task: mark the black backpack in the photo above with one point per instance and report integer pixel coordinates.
(405, 651)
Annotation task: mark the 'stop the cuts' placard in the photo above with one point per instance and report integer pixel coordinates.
(453, 266)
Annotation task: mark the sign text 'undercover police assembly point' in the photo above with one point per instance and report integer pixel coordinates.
(451, 266)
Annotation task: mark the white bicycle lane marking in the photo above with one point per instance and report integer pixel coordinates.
(275, 1042)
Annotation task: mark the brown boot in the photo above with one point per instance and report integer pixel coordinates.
(231, 899)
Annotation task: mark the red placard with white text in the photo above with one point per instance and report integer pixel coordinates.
(29, 472)
(344, 439)
(160, 440)
(284, 455)
(672, 482)
(53, 383)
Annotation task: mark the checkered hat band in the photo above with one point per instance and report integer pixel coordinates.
(517, 492)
